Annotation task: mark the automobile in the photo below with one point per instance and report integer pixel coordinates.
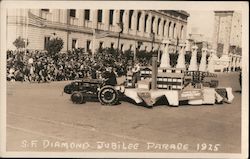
(82, 90)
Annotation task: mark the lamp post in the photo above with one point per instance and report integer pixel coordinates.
(119, 35)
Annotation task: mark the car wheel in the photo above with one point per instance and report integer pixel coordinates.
(108, 95)
(77, 98)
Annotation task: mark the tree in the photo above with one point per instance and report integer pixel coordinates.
(54, 46)
(20, 43)
(173, 59)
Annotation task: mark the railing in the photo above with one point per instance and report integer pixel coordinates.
(113, 28)
(101, 26)
(73, 21)
(88, 24)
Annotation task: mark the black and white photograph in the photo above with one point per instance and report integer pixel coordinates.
(140, 79)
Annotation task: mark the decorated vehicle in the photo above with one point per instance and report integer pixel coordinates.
(148, 85)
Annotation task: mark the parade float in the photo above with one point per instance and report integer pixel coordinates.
(196, 85)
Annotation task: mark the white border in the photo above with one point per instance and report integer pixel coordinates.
(177, 5)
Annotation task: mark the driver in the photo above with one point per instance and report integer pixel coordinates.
(110, 77)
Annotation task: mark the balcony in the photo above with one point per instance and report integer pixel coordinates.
(101, 26)
(73, 21)
(88, 24)
(113, 28)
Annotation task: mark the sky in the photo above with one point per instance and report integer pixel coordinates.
(201, 21)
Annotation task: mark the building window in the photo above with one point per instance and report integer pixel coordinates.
(112, 45)
(121, 16)
(88, 45)
(99, 16)
(174, 31)
(130, 19)
(45, 10)
(152, 24)
(111, 15)
(138, 20)
(46, 40)
(101, 45)
(182, 31)
(87, 14)
(163, 29)
(159, 21)
(74, 43)
(72, 13)
(169, 28)
(145, 23)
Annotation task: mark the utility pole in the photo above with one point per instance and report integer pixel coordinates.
(119, 35)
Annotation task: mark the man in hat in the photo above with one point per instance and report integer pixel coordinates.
(110, 76)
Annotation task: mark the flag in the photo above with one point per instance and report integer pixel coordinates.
(100, 34)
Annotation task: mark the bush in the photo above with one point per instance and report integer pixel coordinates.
(20, 43)
(54, 46)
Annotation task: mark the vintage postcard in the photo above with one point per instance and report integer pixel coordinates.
(124, 79)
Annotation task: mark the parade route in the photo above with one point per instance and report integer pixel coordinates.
(41, 118)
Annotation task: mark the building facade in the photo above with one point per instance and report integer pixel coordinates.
(227, 38)
(77, 28)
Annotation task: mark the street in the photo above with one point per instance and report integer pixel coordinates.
(41, 118)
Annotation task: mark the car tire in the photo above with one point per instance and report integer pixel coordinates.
(77, 98)
(108, 95)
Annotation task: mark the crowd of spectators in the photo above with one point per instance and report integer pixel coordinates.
(39, 66)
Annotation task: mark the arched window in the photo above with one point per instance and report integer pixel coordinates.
(152, 24)
(182, 27)
(130, 18)
(163, 29)
(174, 31)
(121, 16)
(169, 28)
(158, 26)
(145, 23)
(138, 20)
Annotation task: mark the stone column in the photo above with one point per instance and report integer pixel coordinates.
(125, 21)
(93, 15)
(134, 21)
(106, 19)
(216, 32)
(80, 17)
(161, 29)
(116, 20)
(155, 27)
(181, 58)
(203, 62)
(165, 60)
(149, 26)
(227, 37)
(193, 62)
(141, 26)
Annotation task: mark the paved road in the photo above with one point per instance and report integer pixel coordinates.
(40, 118)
